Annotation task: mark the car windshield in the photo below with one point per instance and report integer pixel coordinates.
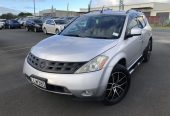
(96, 26)
(60, 22)
(38, 21)
(14, 21)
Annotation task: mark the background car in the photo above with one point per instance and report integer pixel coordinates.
(34, 25)
(22, 21)
(2, 23)
(12, 24)
(54, 26)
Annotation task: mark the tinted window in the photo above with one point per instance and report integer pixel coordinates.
(141, 20)
(52, 22)
(132, 23)
(48, 21)
(37, 21)
(14, 21)
(60, 22)
(96, 26)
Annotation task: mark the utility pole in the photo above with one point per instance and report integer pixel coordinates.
(52, 11)
(67, 9)
(89, 6)
(34, 7)
(121, 5)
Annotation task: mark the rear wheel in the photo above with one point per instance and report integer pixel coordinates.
(27, 29)
(118, 85)
(147, 52)
(56, 31)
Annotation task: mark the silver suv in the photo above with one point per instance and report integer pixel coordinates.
(93, 56)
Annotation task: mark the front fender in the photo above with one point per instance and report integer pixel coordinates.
(107, 72)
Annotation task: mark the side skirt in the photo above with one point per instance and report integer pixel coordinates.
(133, 67)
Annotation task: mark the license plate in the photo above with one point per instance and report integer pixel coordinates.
(38, 82)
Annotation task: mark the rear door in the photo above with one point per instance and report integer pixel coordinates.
(52, 26)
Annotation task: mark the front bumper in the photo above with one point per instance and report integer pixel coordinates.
(77, 84)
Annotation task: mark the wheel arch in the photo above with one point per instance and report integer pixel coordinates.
(118, 59)
(122, 62)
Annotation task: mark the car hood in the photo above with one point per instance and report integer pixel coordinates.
(71, 49)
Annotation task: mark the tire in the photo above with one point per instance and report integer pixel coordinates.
(45, 31)
(118, 85)
(27, 29)
(56, 31)
(35, 29)
(147, 52)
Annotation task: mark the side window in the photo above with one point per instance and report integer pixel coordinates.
(48, 22)
(52, 22)
(141, 21)
(131, 24)
(140, 25)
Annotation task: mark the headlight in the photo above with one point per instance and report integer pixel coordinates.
(93, 65)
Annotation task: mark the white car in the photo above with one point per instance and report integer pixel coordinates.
(53, 26)
(2, 23)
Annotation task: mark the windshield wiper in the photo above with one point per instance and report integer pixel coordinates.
(98, 37)
(72, 35)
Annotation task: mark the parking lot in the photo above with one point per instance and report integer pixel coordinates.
(149, 94)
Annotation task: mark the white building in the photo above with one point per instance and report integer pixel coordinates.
(150, 9)
(58, 13)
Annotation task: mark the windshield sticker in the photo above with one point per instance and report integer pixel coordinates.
(97, 21)
(115, 34)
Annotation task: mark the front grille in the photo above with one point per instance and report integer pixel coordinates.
(53, 66)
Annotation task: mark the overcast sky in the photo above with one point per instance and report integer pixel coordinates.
(75, 5)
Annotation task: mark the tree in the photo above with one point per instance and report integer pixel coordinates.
(8, 16)
(22, 14)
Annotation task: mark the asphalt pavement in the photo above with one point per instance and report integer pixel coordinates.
(149, 94)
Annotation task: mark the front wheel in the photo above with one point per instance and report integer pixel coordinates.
(44, 30)
(27, 29)
(35, 29)
(118, 85)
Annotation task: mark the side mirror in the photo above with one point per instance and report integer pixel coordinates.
(134, 32)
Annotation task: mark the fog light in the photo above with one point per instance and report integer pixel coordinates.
(87, 93)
